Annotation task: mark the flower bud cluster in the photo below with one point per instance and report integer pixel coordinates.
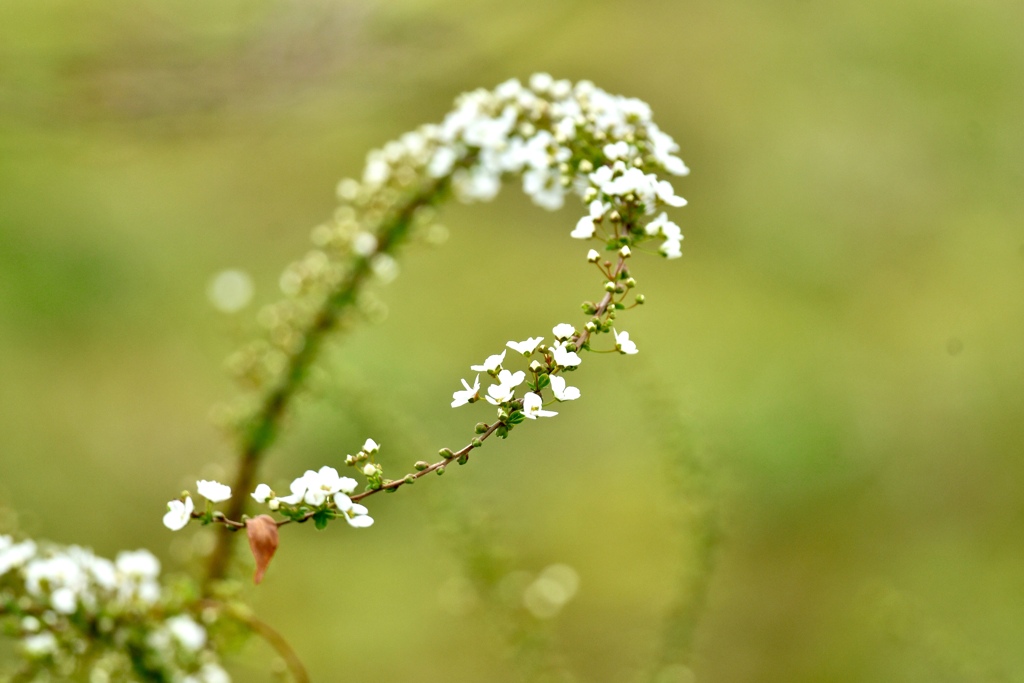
(74, 612)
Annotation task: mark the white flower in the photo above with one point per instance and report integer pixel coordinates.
(598, 209)
(668, 195)
(230, 291)
(318, 486)
(533, 407)
(664, 227)
(504, 390)
(186, 631)
(212, 673)
(472, 393)
(622, 342)
(525, 347)
(593, 256)
(313, 487)
(563, 357)
(442, 162)
(540, 82)
(355, 514)
(584, 229)
(490, 365)
(511, 379)
(671, 249)
(139, 563)
(64, 600)
(14, 554)
(370, 447)
(618, 150)
(178, 514)
(624, 252)
(213, 491)
(563, 331)
(40, 644)
(369, 469)
(262, 493)
(561, 391)
(364, 243)
(385, 267)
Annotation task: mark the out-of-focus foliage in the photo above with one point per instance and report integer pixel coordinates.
(844, 330)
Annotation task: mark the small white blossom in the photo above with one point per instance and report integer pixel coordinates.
(39, 645)
(624, 252)
(230, 291)
(525, 347)
(533, 407)
(369, 469)
(598, 209)
(355, 514)
(490, 365)
(186, 631)
(563, 331)
(584, 229)
(471, 393)
(211, 673)
(364, 243)
(563, 357)
(504, 390)
(593, 256)
(213, 491)
(661, 225)
(13, 554)
(385, 267)
(178, 513)
(370, 447)
(138, 563)
(262, 493)
(540, 82)
(316, 487)
(623, 344)
(671, 249)
(618, 150)
(561, 391)
(668, 195)
(511, 379)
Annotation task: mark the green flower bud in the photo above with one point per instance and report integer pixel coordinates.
(481, 427)
(421, 465)
(477, 443)
(445, 453)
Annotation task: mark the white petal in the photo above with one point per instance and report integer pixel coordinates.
(360, 521)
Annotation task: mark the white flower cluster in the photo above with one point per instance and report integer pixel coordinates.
(324, 490)
(560, 356)
(560, 138)
(59, 598)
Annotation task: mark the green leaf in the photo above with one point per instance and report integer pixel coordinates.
(320, 519)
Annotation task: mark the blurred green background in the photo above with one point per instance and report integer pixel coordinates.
(831, 381)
